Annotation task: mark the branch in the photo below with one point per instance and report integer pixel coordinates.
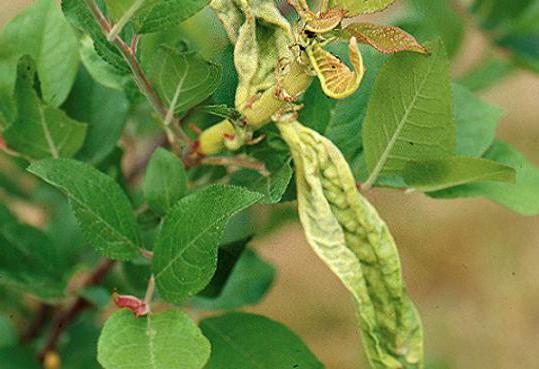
(40, 320)
(237, 161)
(65, 317)
(144, 85)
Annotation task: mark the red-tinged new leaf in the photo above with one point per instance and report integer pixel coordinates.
(386, 39)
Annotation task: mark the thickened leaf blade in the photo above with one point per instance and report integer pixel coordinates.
(183, 80)
(101, 207)
(347, 233)
(168, 340)
(409, 114)
(185, 254)
(247, 341)
(434, 175)
(165, 182)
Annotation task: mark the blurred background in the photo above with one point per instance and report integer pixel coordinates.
(471, 266)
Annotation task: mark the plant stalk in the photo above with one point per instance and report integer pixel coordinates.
(139, 76)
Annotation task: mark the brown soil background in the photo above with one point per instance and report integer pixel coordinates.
(471, 265)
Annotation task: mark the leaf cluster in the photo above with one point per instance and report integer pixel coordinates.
(100, 119)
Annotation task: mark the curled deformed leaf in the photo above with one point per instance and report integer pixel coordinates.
(336, 78)
(386, 39)
(347, 233)
(261, 36)
(326, 21)
(321, 22)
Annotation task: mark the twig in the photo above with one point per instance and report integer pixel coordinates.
(118, 27)
(130, 57)
(141, 164)
(65, 317)
(39, 321)
(236, 161)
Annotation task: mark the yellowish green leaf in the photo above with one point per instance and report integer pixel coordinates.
(356, 7)
(347, 233)
(337, 80)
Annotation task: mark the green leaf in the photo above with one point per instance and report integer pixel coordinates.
(222, 111)
(476, 122)
(434, 175)
(185, 254)
(29, 260)
(169, 340)
(8, 77)
(355, 7)
(438, 18)
(105, 110)
(247, 341)
(78, 348)
(17, 358)
(525, 50)
(491, 71)
(228, 255)
(183, 80)
(41, 131)
(521, 197)
(247, 282)
(78, 13)
(8, 334)
(416, 123)
(100, 206)
(101, 71)
(526, 23)
(498, 12)
(42, 32)
(272, 186)
(118, 8)
(165, 182)
(6, 217)
(158, 15)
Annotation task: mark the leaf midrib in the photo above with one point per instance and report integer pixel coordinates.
(390, 145)
(46, 132)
